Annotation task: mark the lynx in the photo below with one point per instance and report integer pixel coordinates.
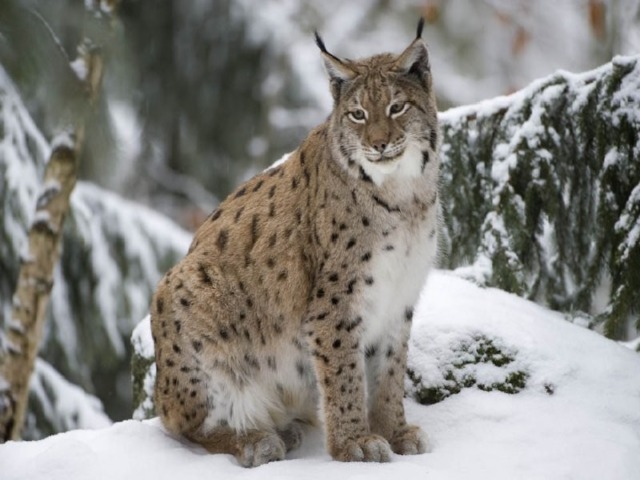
(294, 303)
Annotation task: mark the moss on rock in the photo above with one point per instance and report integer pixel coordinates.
(465, 366)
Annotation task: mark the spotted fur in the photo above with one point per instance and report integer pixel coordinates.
(294, 303)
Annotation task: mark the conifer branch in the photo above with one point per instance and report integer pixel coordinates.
(542, 193)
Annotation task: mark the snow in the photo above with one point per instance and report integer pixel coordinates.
(627, 225)
(109, 280)
(79, 67)
(70, 405)
(22, 150)
(577, 418)
(523, 117)
(142, 339)
(25, 254)
(479, 272)
(63, 139)
(142, 342)
(128, 133)
(50, 189)
(632, 345)
(23, 146)
(42, 218)
(611, 158)
(118, 215)
(64, 319)
(627, 98)
(582, 83)
(104, 231)
(106, 6)
(15, 326)
(280, 161)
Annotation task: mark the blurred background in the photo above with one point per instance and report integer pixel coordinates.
(200, 95)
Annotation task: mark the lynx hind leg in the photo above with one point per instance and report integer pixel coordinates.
(292, 435)
(251, 448)
(194, 415)
(189, 417)
(254, 447)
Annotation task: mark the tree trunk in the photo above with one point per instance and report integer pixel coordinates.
(35, 280)
(34, 283)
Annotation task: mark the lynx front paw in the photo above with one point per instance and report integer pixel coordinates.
(260, 448)
(368, 448)
(410, 440)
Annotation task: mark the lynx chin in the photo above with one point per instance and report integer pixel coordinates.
(294, 303)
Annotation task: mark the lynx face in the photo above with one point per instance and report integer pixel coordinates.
(385, 112)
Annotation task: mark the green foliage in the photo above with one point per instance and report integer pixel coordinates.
(143, 371)
(140, 370)
(541, 192)
(463, 372)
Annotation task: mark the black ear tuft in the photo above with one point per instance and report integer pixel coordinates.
(419, 30)
(320, 42)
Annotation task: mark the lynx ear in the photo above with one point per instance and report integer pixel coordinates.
(420, 27)
(337, 68)
(339, 71)
(414, 60)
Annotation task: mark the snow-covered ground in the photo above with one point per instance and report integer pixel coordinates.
(577, 418)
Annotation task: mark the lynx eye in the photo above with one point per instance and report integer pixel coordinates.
(398, 109)
(357, 115)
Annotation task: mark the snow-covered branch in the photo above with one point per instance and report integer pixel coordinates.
(541, 193)
(112, 256)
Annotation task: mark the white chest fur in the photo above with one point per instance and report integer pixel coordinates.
(405, 255)
(398, 271)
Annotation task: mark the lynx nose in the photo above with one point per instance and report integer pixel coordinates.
(379, 147)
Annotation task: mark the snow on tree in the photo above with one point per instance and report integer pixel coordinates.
(113, 253)
(541, 193)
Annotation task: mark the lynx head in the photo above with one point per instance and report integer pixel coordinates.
(384, 118)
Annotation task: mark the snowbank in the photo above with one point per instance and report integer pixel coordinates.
(577, 417)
